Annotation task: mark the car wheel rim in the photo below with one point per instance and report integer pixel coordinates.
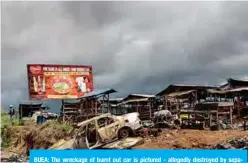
(124, 133)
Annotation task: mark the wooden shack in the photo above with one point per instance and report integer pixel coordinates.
(235, 91)
(141, 103)
(115, 108)
(209, 113)
(27, 109)
(176, 101)
(176, 96)
(69, 110)
(88, 106)
(236, 95)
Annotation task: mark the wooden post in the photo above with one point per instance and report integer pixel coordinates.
(210, 119)
(20, 113)
(196, 96)
(165, 102)
(231, 109)
(150, 109)
(96, 108)
(177, 105)
(137, 109)
(92, 106)
(108, 103)
(217, 116)
(239, 104)
(62, 102)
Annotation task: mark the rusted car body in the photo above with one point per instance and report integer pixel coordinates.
(98, 132)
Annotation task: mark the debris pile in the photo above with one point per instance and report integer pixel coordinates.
(164, 119)
(16, 158)
(238, 143)
(190, 139)
(42, 116)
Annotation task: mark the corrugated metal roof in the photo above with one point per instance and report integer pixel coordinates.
(30, 103)
(178, 94)
(237, 80)
(138, 96)
(183, 87)
(190, 85)
(228, 91)
(115, 99)
(238, 89)
(135, 100)
(99, 92)
(72, 101)
(143, 95)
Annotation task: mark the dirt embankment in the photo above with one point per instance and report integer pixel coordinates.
(23, 138)
(183, 139)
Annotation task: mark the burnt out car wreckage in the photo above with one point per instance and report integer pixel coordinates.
(104, 131)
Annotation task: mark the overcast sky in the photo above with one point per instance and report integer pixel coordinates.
(134, 47)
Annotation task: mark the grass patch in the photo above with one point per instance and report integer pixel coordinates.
(58, 125)
(53, 126)
(5, 124)
(5, 120)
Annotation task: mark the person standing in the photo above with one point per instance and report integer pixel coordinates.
(11, 113)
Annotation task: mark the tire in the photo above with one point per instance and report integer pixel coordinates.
(177, 122)
(124, 132)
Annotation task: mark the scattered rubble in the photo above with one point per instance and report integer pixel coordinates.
(190, 139)
(225, 126)
(164, 119)
(237, 143)
(16, 158)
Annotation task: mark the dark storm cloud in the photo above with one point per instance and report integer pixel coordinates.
(133, 46)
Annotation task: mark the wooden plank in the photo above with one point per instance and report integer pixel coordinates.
(231, 110)
(65, 108)
(223, 113)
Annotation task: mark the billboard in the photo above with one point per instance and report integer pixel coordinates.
(59, 81)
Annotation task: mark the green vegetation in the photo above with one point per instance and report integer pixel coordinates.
(5, 120)
(52, 127)
(5, 123)
(59, 125)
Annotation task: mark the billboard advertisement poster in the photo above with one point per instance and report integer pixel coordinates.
(59, 81)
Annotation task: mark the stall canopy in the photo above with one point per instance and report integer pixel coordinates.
(182, 87)
(137, 98)
(180, 94)
(98, 93)
(236, 90)
(233, 83)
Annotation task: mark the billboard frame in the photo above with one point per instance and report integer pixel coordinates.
(56, 65)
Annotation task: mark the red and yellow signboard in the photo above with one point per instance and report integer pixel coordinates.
(59, 81)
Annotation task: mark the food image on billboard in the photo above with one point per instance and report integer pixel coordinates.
(59, 81)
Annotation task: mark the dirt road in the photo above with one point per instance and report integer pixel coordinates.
(190, 139)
